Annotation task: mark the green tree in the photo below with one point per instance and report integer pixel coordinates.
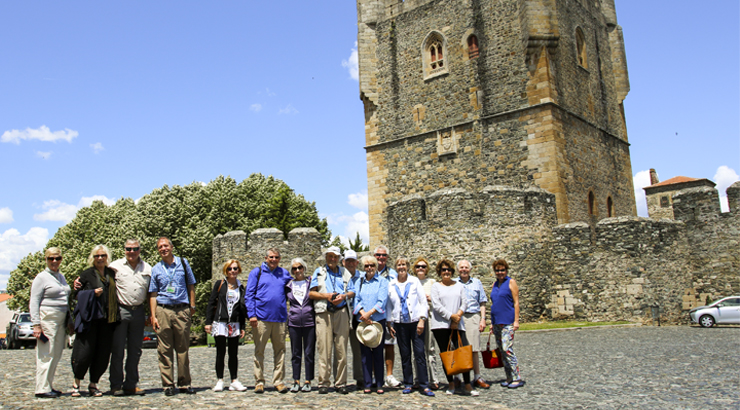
(357, 245)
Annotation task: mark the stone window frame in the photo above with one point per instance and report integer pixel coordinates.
(432, 65)
(468, 52)
(581, 54)
(591, 203)
(665, 202)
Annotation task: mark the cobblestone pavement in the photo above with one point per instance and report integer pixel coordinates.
(670, 367)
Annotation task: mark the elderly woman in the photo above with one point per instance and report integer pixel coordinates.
(475, 315)
(370, 300)
(407, 305)
(49, 312)
(421, 268)
(301, 325)
(448, 307)
(505, 320)
(226, 317)
(96, 315)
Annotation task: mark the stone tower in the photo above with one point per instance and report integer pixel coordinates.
(476, 93)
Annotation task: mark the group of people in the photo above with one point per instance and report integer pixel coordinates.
(364, 304)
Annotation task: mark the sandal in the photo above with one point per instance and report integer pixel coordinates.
(406, 390)
(75, 391)
(94, 391)
(379, 391)
(428, 392)
(434, 386)
(518, 383)
(367, 391)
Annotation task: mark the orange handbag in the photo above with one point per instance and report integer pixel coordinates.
(459, 360)
(491, 358)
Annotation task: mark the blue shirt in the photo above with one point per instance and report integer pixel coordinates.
(372, 294)
(163, 275)
(388, 273)
(334, 283)
(474, 293)
(265, 296)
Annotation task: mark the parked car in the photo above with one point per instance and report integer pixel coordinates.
(723, 311)
(19, 332)
(150, 340)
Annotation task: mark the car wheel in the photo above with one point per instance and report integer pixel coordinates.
(706, 321)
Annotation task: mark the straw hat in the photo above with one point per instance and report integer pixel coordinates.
(370, 335)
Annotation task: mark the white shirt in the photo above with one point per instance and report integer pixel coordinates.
(132, 284)
(416, 300)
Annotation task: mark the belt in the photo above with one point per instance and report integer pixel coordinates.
(131, 307)
(174, 306)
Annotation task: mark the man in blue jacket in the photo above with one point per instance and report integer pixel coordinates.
(267, 312)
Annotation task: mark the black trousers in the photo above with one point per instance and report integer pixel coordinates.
(408, 339)
(92, 350)
(443, 339)
(302, 343)
(221, 355)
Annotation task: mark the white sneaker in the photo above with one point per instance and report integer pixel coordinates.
(391, 381)
(219, 385)
(236, 386)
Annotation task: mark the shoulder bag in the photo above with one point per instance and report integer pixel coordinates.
(459, 360)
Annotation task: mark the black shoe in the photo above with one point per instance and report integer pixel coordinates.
(49, 395)
(57, 392)
(322, 390)
(169, 391)
(117, 392)
(187, 390)
(343, 390)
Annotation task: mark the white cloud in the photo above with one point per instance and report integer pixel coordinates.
(43, 133)
(97, 147)
(42, 154)
(59, 211)
(256, 107)
(352, 65)
(6, 215)
(14, 246)
(347, 226)
(724, 177)
(641, 180)
(358, 200)
(289, 109)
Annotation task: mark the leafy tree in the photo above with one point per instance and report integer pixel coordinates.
(191, 216)
(357, 245)
(338, 243)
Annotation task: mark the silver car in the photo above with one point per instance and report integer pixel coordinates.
(723, 311)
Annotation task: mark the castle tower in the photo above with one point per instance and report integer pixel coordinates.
(473, 93)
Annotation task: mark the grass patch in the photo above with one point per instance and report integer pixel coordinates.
(562, 324)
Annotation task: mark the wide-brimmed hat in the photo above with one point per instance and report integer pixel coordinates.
(333, 249)
(350, 254)
(370, 335)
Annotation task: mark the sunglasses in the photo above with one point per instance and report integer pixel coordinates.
(230, 269)
(369, 266)
(130, 249)
(499, 270)
(381, 255)
(100, 256)
(446, 269)
(420, 266)
(296, 268)
(54, 258)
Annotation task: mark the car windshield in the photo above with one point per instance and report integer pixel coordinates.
(24, 318)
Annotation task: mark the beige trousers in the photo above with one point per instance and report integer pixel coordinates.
(274, 332)
(49, 353)
(174, 338)
(332, 333)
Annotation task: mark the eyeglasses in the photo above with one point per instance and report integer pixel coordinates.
(231, 269)
(54, 258)
(381, 255)
(296, 268)
(369, 266)
(446, 269)
(499, 270)
(420, 266)
(130, 249)
(100, 256)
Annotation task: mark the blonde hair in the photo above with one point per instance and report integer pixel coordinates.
(91, 258)
(229, 263)
(52, 251)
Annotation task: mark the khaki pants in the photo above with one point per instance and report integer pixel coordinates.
(332, 333)
(275, 332)
(49, 353)
(174, 337)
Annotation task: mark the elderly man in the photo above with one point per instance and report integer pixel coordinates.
(132, 283)
(172, 303)
(381, 254)
(350, 263)
(474, 316)
(333, 287)
(266, 308)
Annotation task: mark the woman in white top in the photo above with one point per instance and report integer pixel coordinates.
(421, 268)
(49, 312)
(407, 304)
(448, 307)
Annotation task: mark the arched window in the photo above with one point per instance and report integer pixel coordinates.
(473, 50)
(581, 48)
(591, 204)
(434, 50)
(609, 207)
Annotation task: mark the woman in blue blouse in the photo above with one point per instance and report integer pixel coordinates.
(505, 320)
(370, 299)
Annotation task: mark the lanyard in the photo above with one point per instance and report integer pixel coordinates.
(171, 276)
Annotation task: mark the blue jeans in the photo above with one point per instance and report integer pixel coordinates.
(408, 339)
(373, 361)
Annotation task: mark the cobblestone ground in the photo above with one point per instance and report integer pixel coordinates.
(608, 368)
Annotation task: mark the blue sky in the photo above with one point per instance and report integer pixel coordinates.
(103, 100)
